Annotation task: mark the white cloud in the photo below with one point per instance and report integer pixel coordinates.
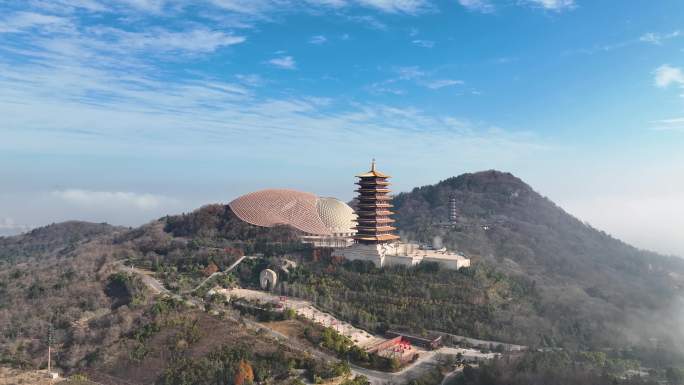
(261, 7)
(424, 43)
(89, 5)
(318, 39)
(192, 41)
(487, 6)
(676, 124)
(254, 80)
(484, 6)
(284, 62)
(409, 73)
(23, 21)
(649, 37)
(369, 21)
(385, 88)
(556, 5)
(89, 198)
(418, 76)
(8, 226)
(666, 75)
(656, 38)
(397, 6)
(329, 3)
(245, 6)
(145, 5)
(69, 6)
(441, 83)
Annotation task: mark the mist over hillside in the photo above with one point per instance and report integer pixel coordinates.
(582, 272)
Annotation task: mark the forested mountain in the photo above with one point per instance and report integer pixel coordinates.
(540, 277)
(65, 275)
(51, 240)
(591, 284)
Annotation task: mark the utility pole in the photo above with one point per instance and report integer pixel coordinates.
(50, 341)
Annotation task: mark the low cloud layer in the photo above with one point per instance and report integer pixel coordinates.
(91, 199)
(652, 222)
(8, 226)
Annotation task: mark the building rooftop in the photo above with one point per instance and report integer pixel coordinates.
(301, 210)
(373, 173)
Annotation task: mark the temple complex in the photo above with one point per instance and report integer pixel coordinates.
(367, 234)
(375, 239)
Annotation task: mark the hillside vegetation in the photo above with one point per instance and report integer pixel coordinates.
(65, 276)
(540, 277)
(595, 290)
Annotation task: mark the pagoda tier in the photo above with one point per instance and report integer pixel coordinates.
(374, 220)
(377, 230)
(373, 209)
(373, 189)
(375, 204)
(376, 197)
(373, 181)
(375, 239)
(371, 212)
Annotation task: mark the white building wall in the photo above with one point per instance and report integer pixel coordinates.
(400, 254)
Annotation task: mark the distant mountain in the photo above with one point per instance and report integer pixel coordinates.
(52, 239)
(586, 277)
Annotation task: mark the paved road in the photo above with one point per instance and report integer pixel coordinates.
(231, 267)
(481, 343)
(149, 281)
(154, 285)
(426, 360)
(158, 288)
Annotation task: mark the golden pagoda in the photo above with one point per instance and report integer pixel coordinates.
(374, 222)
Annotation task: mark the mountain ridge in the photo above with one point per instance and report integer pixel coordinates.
(547, 277)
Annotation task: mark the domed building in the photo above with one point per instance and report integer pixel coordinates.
(325, 222)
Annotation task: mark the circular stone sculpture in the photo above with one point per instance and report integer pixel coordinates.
(268, 279)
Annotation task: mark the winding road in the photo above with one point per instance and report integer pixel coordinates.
(426, 361)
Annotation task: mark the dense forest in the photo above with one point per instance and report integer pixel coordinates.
(477, 301)
(558, 368)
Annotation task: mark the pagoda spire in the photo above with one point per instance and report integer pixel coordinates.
(374, 222)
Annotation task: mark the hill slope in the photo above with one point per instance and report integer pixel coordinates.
(585, 276)
(64, 275)
(540, 277)
(52, 240)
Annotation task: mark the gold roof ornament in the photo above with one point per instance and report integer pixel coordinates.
(373, 172)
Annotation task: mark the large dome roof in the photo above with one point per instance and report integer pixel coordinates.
(301, 210)
(338, 217)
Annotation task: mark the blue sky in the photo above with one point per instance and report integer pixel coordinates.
(123, 111)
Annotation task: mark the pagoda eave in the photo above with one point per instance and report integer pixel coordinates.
(377, 238)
